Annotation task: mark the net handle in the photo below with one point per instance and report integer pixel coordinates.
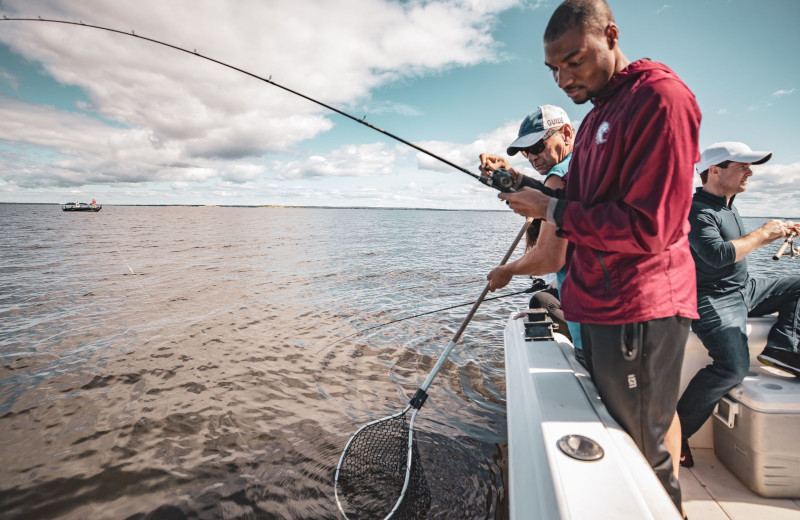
(472, 311)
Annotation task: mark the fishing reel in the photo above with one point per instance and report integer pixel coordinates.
(499, 179)
(503, 180)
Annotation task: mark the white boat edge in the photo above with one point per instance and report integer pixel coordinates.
(549, 395)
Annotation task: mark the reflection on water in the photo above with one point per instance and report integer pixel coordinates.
(183, 362)
(177, 362)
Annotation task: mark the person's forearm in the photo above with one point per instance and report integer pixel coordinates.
(749, 243)
(546, 257)
(535, 262)
(744, 246)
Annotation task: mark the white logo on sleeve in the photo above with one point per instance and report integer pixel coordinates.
(631, 381)
(601, 138)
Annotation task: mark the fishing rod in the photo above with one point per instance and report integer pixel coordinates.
(538, 285)
(500, 179)
(794, 252)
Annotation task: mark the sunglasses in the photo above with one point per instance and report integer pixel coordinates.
(538, 147)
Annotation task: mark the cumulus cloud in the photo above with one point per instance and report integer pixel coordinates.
(467, 155)
(772, 191)
(362, 160)
(176, 118)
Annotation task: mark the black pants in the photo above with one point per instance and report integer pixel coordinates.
(636, 368)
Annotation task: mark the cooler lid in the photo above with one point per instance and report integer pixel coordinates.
(768, 393)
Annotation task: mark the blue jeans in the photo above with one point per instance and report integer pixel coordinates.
(722, 329)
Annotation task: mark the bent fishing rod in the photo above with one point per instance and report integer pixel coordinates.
(500, 179)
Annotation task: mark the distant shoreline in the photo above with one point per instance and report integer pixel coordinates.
(277, 206)
(269, 206)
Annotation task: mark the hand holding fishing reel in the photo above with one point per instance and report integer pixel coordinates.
(499, 179)
(794, 252)
(503, 180)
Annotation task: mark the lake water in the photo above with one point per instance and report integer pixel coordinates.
(204, 362)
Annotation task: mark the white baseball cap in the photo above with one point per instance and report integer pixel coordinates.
(730, 151)
(536, 124)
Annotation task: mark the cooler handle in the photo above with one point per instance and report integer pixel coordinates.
(733, 409)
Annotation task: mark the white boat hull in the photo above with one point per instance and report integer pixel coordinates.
(550, 395)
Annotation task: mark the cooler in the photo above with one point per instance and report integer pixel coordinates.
(757, 434)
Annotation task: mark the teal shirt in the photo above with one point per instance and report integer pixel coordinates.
(560, 169)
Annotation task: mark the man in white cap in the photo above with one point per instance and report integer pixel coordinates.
(726, 293)
(545, 138)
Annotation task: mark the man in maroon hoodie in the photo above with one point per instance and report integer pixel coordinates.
(630, 276)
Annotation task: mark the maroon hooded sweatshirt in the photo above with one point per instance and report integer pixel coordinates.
(628, 194)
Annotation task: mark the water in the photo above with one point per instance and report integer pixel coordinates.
(179, 362)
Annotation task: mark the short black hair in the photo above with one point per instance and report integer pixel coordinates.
(588, 14)
(723, 165)
(532, 234)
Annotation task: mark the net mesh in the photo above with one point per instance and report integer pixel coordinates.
(373, 472)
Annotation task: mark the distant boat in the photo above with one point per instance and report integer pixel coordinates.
(80, 206)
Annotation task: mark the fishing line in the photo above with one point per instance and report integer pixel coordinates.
(499, 179)
(538, 285)
(110, 235)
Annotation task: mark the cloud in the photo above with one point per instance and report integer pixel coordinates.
(663, 8)
(782, 92)
(363, 160)
(467, 155)
(155, 115)
(772, 191)
(353, 48)
(9, 79)
(384, 107)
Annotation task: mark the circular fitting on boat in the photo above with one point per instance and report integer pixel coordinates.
(580, 447)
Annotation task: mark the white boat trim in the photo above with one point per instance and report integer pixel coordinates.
(549, 394)
(546, 399)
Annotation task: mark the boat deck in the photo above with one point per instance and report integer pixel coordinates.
(711, 492)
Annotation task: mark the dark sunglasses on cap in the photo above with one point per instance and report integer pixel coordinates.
(538, 147)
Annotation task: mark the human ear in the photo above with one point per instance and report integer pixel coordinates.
(612, 35)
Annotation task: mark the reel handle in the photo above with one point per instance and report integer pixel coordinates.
(782, 249)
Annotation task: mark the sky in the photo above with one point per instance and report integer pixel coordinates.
(90, 114)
